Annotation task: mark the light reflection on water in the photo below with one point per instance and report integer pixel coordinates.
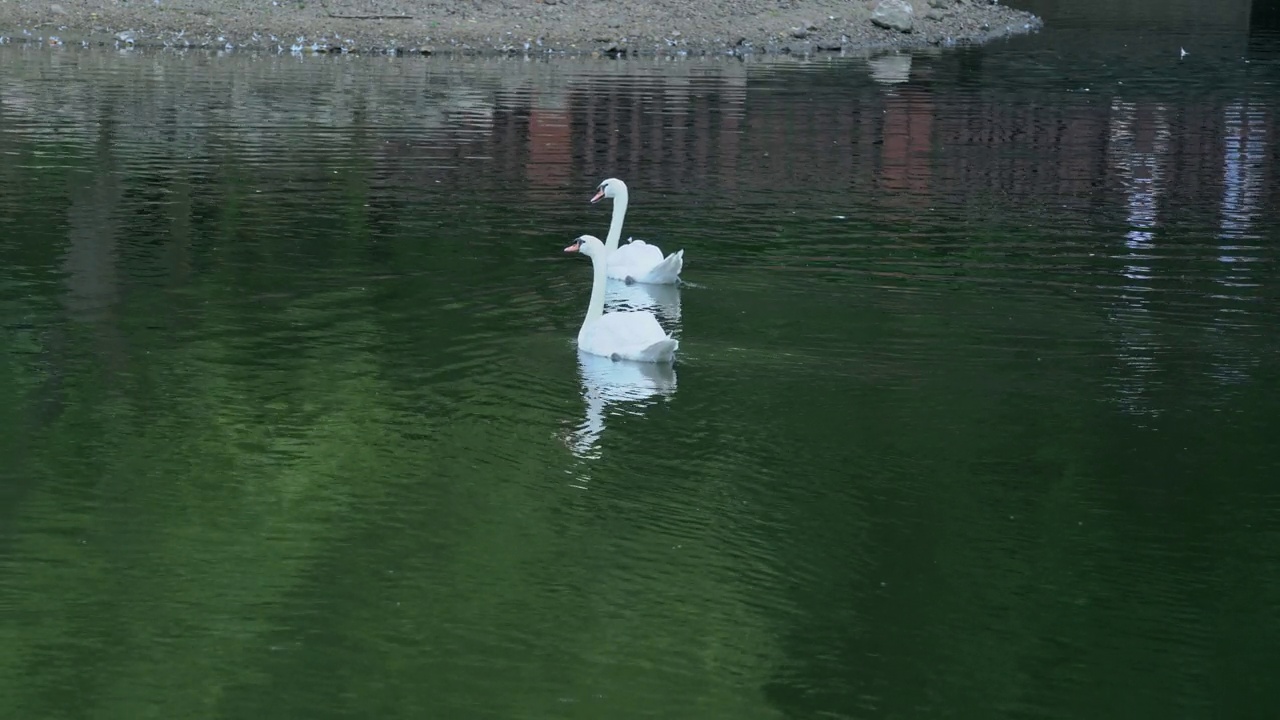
(1138, 164)
(1245, 146)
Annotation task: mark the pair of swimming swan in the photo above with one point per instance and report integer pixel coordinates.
(632, 335)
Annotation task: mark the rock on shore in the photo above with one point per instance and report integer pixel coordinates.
(630, 27)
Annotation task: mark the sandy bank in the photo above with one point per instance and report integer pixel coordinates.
(632, 27)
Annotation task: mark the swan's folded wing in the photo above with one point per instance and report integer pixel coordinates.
(637, 256)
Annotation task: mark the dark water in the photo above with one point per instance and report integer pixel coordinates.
(975, 415)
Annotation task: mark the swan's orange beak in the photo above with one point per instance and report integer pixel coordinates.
(573, 248)
(599, 194)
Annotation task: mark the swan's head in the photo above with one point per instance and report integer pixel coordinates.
(611, 188)
(588, 245)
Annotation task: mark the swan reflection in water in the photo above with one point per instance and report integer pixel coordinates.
(661, 300)
(629, 386)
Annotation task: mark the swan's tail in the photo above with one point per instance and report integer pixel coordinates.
(666, 272)
(661, 351)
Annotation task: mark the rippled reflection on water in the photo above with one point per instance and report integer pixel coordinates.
(972, 408)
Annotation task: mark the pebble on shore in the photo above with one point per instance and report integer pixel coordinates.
(612, 27)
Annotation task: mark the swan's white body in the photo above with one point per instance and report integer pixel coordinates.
(637, 261)
(634, 335)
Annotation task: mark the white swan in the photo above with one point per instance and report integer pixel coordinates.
(632, 335)
(637, 261)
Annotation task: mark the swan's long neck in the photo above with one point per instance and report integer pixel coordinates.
(615, 226)
(595, 308)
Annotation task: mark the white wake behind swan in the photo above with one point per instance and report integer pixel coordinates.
(637, 261)
(634, 335)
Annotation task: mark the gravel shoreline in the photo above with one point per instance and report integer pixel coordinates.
(612, 27)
